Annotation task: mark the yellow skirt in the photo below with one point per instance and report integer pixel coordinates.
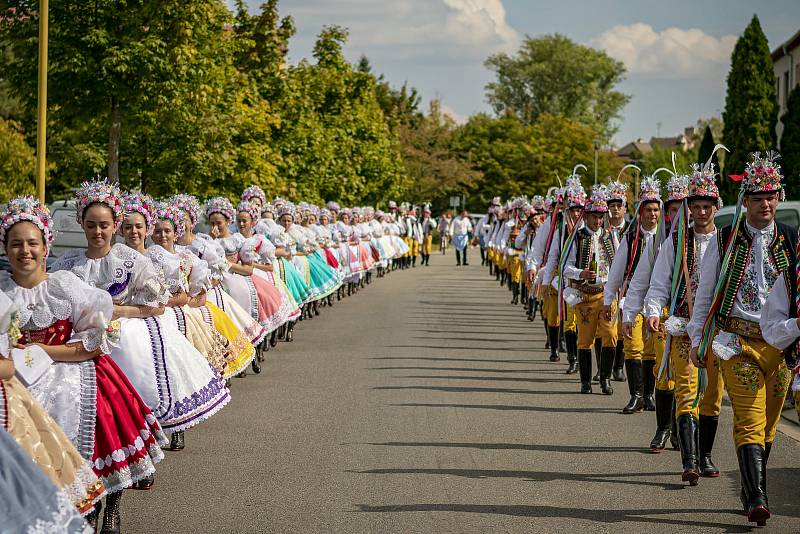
(240, 351)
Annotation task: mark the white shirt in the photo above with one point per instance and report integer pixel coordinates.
(461, 226)
(659, 294)
(616, 275)
(533, 261)
(778, 329)
(554, 257)
(756, 284)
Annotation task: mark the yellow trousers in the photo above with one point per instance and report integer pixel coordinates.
(515, 268)
(646, 346)
(686, 375)
(757, 381)
(550, 310)
(592, 323)
(427, 244)
(413, 246)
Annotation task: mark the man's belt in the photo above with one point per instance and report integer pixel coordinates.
(583, 287)
(743, 327)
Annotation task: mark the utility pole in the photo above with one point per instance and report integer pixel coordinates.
(41, 120)
(596, 151)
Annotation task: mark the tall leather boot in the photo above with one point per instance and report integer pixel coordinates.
(619, 362)
(673, 432)
(111, 519)
(688, 439)
(648, 385)
(585, 366)
(752, 468)
(496, 273)
(552, 333)
(634, 370)
(502, 278)
(598, 350)
(515, 294)
(571, 340)
(708, 431)
(663, 424)
(547, 336)
(606, 365)
(562, 346)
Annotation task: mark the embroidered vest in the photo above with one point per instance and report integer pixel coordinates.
(781, 250)
(584, 248)
(633, 257)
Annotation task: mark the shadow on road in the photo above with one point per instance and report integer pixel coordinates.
(533, 447)
(512, 408)
(457, 389)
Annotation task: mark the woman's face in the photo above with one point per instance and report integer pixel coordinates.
(257, 201)
(286, 220)
(134, 230)
(324, 220)
(244, 222)
(25, 248)
(220, 222)
(98, 226)
(268, 215)
(164, 234)
(345, 218)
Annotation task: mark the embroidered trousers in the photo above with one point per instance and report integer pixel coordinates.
(757, 380)
(648, 346)
(592, 323)
(550, 310)
(685, 376)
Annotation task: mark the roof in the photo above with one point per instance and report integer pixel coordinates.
(635, 146)
(791, 44)
(667, 142)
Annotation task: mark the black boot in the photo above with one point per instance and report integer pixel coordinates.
(634, 370)
(552, 333)
(177, 441)
(562, 347)
(111, 519)
(585, 366)
(598, 350)
(673, 432)
(688, 439)
(547, 336)
(94, 515)
(571, 340)
(514, 294)
(708, 431)
(606, 365)
(290, 332)
(752, 467)
(663, 404)
(619, 363)
(648, 385)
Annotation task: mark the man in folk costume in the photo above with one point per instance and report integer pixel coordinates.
(414, 234)
(656, 392)
(575, 199)
(679, 260)
(515, 248)
(617, 225)
(586, 267)
(427, 226)
(484, 229)
(737, 276)
(626, 259)
(524, 242)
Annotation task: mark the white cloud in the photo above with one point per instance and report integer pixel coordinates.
(672, 53)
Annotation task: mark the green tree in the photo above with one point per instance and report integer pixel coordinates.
(790, 143)
(17, 162)
(553, 74)
(706, 146)
(662, 157)
(751, 108)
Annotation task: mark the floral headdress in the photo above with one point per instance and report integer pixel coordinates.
(222, 206)
(286, 209)
(28, 209)
(702, 184)
(333, 206)
(392, 205)
(98, 191)
(325, 212)
(188, 204)
(574, 192)
(618, 191)
(250, 208)
(538, 203)
(598, 199)
(254, 192)
(144, 205)
(649, 190)
(677, 188)
(168, 212)
(762, 175)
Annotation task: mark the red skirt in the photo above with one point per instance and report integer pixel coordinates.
(128, 438)
(330, 258)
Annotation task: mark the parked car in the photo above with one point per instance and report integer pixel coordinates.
(68, 233)
(788, 213)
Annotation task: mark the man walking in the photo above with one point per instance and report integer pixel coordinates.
(461, 230)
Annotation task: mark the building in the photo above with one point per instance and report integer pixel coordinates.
(786, 64)
(636, 149)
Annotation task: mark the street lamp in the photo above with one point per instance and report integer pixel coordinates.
(596, 151)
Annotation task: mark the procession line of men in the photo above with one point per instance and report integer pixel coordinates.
(689, 310)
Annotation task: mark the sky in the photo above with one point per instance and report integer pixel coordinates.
(677, 52)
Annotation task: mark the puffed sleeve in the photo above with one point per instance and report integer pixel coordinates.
(778, 329)
(658, 296)
(6, 315)
(709, 273)
(637, 289)
(92, 309)
(616, 273)
(147, 285)
(199, 276)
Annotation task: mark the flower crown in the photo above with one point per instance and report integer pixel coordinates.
(138, 202)
(168, 212)
(703, 185)
(574, 192)
(598, 199)
(286, 209)
(325, 212)
(28, 209)
(254, 192)
(677, 188)
(617, 191)
(252, 209)
(187, 204)
(649, 190)
(222, 206)
(762, 174)
(333, 206)
(538, 203)
(98, 191)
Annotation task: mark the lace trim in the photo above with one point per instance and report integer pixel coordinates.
(280, 317)
(190, 404)
(85, 490)
(4, 406)
(180, 318)
(121, 478)
(63, 519)
(253, 298)
(87, 410)
(160, 365)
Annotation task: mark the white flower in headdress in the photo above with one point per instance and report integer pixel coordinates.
(762, 175)
(598, 199)
(649, 190)
(677, 188)
(574, 192)
(703, 185)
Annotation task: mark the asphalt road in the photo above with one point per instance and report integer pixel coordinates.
(426, 404)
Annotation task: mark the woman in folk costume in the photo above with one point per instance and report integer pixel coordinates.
(742, 312)
(679, 261)
(265, 300)
(657, 387)
(260, 252)
(563, 312)
(36, 432)
(83, 390)
(638, 349)
(316, 254)
(172, 377)
(220, 310)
